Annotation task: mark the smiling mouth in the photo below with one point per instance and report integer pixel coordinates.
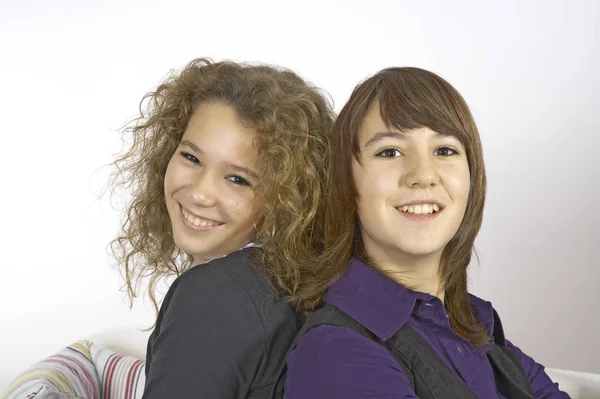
(422, 209)
(198, 221)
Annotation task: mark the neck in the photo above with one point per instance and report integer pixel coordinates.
(419, 273)
(199, 261)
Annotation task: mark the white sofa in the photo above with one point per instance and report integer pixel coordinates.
(129, 341)
(577, 384)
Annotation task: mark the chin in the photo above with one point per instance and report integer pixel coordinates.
(191, 248)
(420, 251)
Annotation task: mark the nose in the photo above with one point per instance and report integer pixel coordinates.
(204, 189)
(422, 172)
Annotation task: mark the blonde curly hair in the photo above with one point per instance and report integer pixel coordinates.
(293, 121)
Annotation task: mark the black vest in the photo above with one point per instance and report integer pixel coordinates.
(429, 376)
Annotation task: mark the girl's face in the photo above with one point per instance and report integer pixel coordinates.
(209, 184)
(412, 190)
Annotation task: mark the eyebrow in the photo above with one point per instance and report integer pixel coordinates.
(395, 135)
(187, 143)
(383, 135)
(237, 168)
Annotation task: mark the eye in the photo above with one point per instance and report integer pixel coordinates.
(240, 181)
(190, 158)
(389, 153)
(445, 152)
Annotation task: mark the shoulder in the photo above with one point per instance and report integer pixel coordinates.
(219, 329)
(237, 266)
(540, 381)
(335, 361)
(337, 344)
(233, 277)
(214, 293)
(333, 338)
(228, 290)
(484, 309)
(487, 315)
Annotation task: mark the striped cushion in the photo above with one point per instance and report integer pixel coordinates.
(122, 377)
(49, 393)
(81, 370)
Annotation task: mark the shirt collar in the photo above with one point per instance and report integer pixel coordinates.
(249, 245)
(374, 300)
(382, 305)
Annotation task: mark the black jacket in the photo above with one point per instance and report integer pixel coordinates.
(221, 332)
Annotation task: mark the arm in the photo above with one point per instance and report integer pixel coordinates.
(337, 362)
(543, 387)
(210, 340)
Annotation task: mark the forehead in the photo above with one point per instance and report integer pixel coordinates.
(218, 132)
(374, 129)
(372, 121)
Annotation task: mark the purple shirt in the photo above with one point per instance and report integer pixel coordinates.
(337, 362)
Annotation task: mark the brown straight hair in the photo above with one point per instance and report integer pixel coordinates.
(409, 98)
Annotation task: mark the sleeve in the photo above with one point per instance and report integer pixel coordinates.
(543, 387)
(210, 342)
(333, 362)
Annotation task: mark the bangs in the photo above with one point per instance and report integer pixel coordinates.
(412, 98)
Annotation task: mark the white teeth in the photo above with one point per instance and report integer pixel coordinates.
(423, 209)
(197, 221)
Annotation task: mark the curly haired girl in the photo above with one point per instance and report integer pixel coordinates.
(226, 173)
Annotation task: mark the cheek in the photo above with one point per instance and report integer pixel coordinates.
(362, 195)
(459, 182)
(362, 179)
(179, 180)
(374, 187)
(170, 177)
(374, 184)
(243, 208)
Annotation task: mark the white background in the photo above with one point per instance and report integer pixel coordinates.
(72, 72)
